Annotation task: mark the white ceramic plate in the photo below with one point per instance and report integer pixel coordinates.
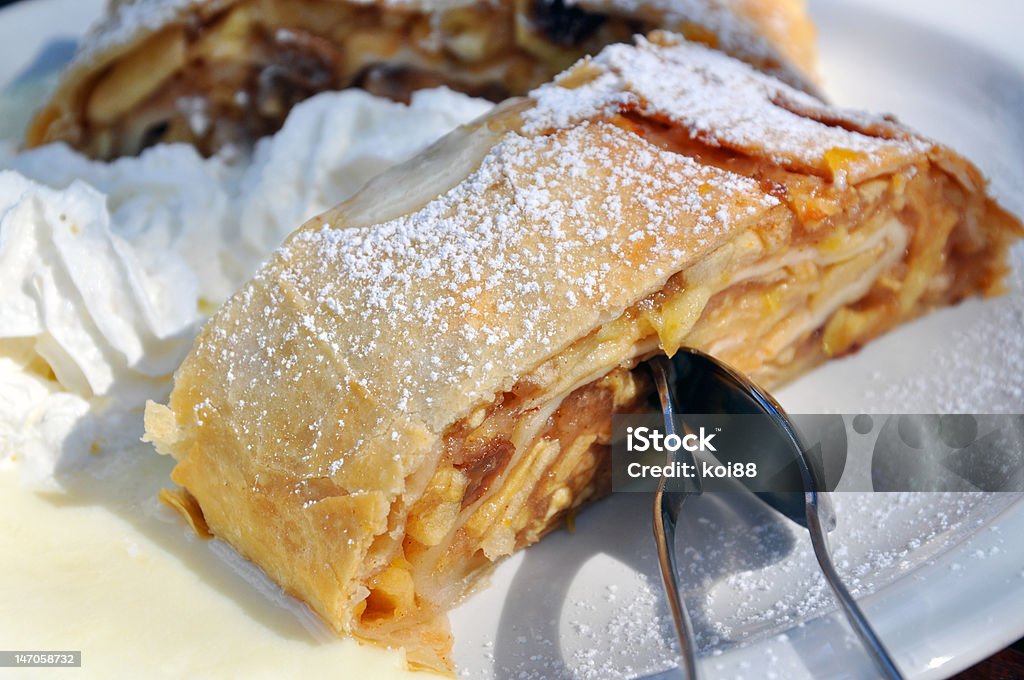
(940, 576)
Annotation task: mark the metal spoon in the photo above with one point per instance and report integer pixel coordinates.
(716, 388)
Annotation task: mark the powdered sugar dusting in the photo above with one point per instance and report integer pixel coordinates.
(734, 33)
(510, 251)
(721, 101)
(919, 528)
(979, 367)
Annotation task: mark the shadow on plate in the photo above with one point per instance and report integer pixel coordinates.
(51, 59)
(721, 534)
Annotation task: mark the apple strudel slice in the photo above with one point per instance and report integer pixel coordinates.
(421, 381)
(224, 72)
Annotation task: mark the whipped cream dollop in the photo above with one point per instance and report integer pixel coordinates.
(107, 270)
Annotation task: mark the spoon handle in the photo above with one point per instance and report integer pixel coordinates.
(868, 638)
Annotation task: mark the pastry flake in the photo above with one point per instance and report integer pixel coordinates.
(421, 381)
(219, 73)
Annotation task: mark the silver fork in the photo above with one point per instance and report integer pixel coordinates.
(816, 514)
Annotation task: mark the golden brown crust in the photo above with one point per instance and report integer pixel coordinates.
(222, 72)
(499, 290)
